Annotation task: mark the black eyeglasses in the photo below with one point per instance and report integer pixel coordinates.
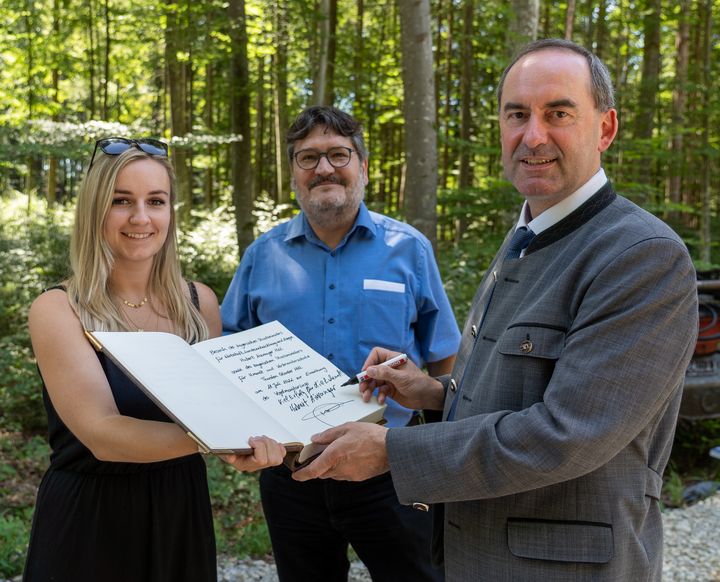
(114, 146)
(338, 157)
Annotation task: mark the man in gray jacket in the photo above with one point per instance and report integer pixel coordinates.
(559, 415)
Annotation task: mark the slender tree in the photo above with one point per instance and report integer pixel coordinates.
(323, 82)
(359, 57)
(449, 77)
(679, 105)
(646, 109)
(569, 19)
(465, 176)
(29, 21)
(523, 25)
(601, 29)
(91, 53)
(706, 196)
(259, 137)
(177, 75)
(106, 67)
(240, 151)
(280, 122)
(210, 125)
(420, 191)
(55, 96)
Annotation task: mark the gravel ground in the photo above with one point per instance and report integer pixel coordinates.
(692, 550)
(692, 542)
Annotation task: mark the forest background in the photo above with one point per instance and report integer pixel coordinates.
(221, 80)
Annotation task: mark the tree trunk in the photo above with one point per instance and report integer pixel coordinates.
(547, 18)
(705, 205)
(175, 39)
(438, 54)
(29, 21)
(258, 174)
(159, 105)
(420, 192)
(465, 176)
(447, 111)
(359, 58)
(523, 25)
(55, 76)
(282, 166)
(329, 96)
(210, 125)
(682, 50)
(601, 29)
(92, 44)
(106, 80)
(646, 106)
(240, 151)
(323, 83)
(590, 30)
(569, 19)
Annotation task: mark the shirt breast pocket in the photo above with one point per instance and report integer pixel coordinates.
(385, 320)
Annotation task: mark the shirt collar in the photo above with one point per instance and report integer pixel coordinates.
(300, 227)
(364, 220)
(556, 213)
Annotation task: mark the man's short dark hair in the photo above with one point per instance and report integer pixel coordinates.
(335, 120)
(600, 81)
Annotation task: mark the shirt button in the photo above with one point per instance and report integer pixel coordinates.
(473, 331)
(453, 385)
(330, 356)
(331, 320)
(332, 285)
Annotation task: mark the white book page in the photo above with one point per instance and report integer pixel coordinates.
(283, 375)
(190, 390)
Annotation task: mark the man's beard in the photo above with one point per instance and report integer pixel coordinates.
(328, 213)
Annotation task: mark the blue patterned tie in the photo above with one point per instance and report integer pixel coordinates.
(519, 241)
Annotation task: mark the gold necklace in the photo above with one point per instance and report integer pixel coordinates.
(134, 305)
(143, 325)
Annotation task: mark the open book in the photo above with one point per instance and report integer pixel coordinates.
(222, 391)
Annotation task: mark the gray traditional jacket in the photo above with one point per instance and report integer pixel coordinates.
(567, 397)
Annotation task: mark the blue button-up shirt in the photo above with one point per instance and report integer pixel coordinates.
(379, 287)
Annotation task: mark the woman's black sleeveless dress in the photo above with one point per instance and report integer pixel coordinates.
(98, 521)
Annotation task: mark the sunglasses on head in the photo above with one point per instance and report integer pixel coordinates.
(114, 146)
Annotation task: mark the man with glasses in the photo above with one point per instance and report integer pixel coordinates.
(344, 279)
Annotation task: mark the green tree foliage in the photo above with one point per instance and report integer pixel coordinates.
(33, 255)
(109, 59)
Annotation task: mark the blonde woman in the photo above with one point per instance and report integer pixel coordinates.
(125, 497)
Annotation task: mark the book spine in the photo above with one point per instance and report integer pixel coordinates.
(93, 341)
(202, 449)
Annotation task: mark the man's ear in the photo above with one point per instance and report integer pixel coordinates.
(364, 170)
(608, 129)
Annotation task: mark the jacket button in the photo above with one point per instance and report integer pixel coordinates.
(526, 346)
(453, 385)
(421, 506)
(474, 331)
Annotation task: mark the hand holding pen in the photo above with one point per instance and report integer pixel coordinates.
(395, 362)
(405, 382)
